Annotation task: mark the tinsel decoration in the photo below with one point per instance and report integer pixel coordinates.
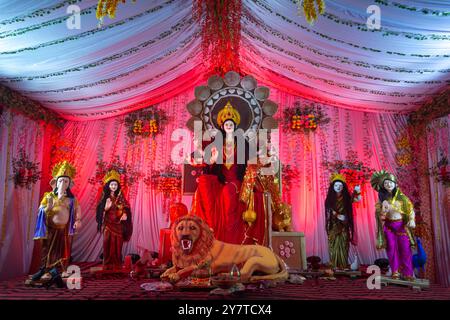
(309, 10)
(221, 33)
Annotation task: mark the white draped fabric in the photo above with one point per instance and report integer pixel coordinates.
(370, 135)
(18, 206)
(152, 51)
(151, 55)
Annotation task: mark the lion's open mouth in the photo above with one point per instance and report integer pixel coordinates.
(186, 243)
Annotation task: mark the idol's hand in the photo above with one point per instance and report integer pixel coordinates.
(49, 202)
(334, 213)
(411, 224)
(214, 155)
(357, 189)
(386, 207)
(123, 217)
(77, 225)
(108, 204)
(341, 217)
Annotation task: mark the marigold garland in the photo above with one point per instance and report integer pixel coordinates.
(166, 181)
(309, 10)
(221, 33)
(354, 171)
(145, 123)
(303, 118)
(108, 8)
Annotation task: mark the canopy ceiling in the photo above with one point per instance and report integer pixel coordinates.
(151, 51)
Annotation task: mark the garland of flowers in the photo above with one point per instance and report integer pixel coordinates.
(425, 11)
(221, 33)
(329, 38)
(11, 99)
(408, 148)
(166, 181)
(385, 31)
(21, 31)
(441, 170)
(25, 172)
(90, 32)
(290, 177)
(343, 60)
(303, 118)
(354, 171)
(40, 12)
(124, 90)
(129, 174)
(138, 105)
(309, 10)
(436, 108)
(325, 101)
(108, 8)
(342, 85)
(109, 59)
(123, 75)
(145, 123)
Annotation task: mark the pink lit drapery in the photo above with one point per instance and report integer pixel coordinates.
(371, 135)
(18, 206)
(438, 139)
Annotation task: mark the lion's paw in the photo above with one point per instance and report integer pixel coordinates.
(174, 277)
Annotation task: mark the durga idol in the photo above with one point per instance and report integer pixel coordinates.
(217, 198)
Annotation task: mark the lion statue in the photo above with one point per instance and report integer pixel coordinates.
(194, 247)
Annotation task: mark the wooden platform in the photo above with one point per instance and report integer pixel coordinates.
(348, 273)
(417, 284)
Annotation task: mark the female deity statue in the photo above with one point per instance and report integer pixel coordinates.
(217, 199)
(59, 216)
(395, 221)
(114, 221)
(339, 220)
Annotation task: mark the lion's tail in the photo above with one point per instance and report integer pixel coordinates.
(281, 275)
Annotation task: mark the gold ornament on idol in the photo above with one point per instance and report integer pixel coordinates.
(337, 176)
(111, 175)
(64, 169)
(249, 215)
(228, 113)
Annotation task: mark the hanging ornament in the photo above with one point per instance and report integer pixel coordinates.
(107, 8)
(309, 10)
(221, 33)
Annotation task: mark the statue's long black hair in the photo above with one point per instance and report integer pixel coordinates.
(383, 194)
(101, 206)
(216, 169)
(127, 225)
(330, 205)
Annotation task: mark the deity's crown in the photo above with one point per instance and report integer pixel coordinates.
(64, 169)
(111, 175)
(337, 176)
(228, 113)
(379, 177)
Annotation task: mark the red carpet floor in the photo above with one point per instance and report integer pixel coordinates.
(125, 288)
